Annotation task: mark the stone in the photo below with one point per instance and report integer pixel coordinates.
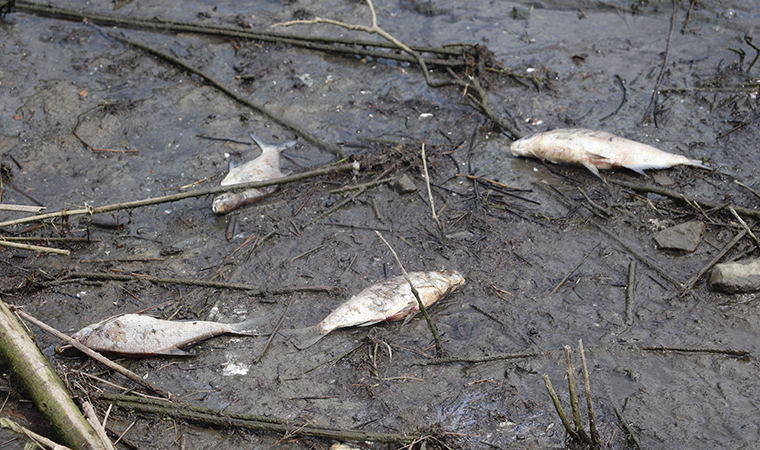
(737, 277)
(404, 185)
(684, 237)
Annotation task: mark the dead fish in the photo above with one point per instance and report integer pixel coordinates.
(265, 167)
(140, 335)
(383, 302)
(597, 150)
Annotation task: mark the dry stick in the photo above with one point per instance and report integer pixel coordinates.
(640, 256)
(437, 361)
(21, 208)
(370, 184)
(622, 102)
(374, 29)
(730, 352)
(332, 148)
(430, 197)
(47, 239)
(748, 40)
(560, 411)
(757, 194)
(623, 423)
(85, 143)
(656, 90)
(30, 435)
(94, 421)
(690, 283)
(431, 325)
(745, 226)
(42, 383)
(481, 100)
(190, 194)
(274, 332)
(33, 248)
(327, 44)
(745, 212)
(248, 421)
(595, 441)
(569, 274)
(346, 200)
(97, 356)
(252, 289)
(336, 207)
(595, 205)
(630, 291)
(576, 410)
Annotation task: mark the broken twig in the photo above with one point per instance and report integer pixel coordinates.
(431, 325)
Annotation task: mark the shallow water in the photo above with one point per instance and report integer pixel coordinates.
(52, 72)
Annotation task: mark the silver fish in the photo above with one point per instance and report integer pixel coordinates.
(383, 302)
(265, 167)
(140, 335)
(597, 150)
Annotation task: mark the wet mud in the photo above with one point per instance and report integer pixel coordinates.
(593, 67)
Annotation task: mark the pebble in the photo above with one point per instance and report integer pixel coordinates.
(684, 237)
(737, 277)
(404, 185)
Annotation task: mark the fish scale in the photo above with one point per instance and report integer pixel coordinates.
(597, 150)
(265, 167)
(140, 335)
(389, 300)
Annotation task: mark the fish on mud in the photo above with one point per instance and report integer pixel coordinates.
(597, 150)
(140, 335)
(383, 302)
(265, 167)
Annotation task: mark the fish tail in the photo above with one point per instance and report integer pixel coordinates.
(264, 145)
(698, 163)
(303, 337)
(249, 327)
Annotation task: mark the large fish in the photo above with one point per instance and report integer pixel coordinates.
(265, 167)
(597, 150)
(139, 335)
(383, 302)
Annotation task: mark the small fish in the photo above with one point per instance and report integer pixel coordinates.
(140, 335)
(383, 302)
(597, 150)
(265, 167)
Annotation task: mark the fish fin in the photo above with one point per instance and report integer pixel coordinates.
(596, 156)
(173, 351)
(592, 168)
(408, 318)
(303, 337)
(249, 327)
(636, 169)
(262, 143)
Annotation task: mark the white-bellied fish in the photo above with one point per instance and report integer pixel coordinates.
(140, 335)
(597, 150)
(265, 167)
(389, 300)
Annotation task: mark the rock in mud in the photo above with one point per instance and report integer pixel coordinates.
(404, 185)
(684, 237)
(736, 277)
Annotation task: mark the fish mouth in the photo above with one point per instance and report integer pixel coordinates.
(455, 278)
(522, 147)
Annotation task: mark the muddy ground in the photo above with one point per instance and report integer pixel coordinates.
(58, 76)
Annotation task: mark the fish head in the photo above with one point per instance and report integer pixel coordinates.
(526, 146)
(454, 278)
